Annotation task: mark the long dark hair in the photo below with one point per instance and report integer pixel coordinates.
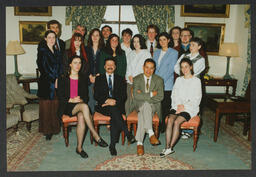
(108, 48)
(70, 61)
(142, 42)
(101, 40)
(170, 33)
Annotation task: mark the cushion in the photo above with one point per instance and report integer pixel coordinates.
(14, 91)
(67, 119)
(13, 118)
(100, 117)
(31, 112)
(193, 122)
(133, 116)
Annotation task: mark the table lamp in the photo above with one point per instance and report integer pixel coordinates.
(14, 48)
(229, 50)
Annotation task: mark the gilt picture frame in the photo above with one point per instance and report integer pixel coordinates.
(205, 10)
(33, 11)
(32, 32)
(211, 33)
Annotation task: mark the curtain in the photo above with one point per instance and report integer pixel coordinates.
(161, 15)
(247, 76)
(89, 16)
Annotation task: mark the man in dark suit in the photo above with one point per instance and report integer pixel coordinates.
(110, 94)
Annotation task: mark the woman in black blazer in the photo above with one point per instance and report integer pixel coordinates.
(49, 64)
(93, 48)
(73, 99)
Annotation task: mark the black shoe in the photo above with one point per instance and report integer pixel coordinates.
(48, 136)
(83, 154)
(131, 139)
(112, 150)
(102, 143)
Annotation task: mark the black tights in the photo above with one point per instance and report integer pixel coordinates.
(83, 116)
(173, 129)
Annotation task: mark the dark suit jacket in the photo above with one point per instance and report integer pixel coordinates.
(64, 91)
(94, 64)
(101, 91)
(50, 67)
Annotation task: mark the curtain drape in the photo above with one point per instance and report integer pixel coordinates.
(89, 16)
(160, 15)
(247, 76)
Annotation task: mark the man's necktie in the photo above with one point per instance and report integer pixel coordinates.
(110, 86)
(147, 85)
(151, 49)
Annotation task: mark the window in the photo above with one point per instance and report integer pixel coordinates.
(120, 18)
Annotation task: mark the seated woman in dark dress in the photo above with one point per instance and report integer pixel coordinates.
(73, 97)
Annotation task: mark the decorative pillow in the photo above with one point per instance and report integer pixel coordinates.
(14, 92)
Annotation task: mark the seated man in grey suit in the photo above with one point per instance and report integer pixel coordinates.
(148, 92)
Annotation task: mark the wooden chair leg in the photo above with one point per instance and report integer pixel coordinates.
(96, 126)
(129, 129)
(65, 126)
(28, 125)
(63, 130)
(156, 125)
(135, 129)
(123, 137)
(195, 139)
(91, 137)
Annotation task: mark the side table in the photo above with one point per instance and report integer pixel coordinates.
(226, 106)
(221, 82)
(26, 79)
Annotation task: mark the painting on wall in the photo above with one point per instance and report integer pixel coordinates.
(33, 11)
(32, 32)
(205, 10)
(211, 33)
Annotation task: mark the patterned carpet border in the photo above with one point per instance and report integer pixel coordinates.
(15, 160)
(145, 162)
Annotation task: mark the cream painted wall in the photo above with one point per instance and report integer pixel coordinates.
(234, 32)
(27, 61)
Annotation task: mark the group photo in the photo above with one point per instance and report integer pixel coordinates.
(128, 87)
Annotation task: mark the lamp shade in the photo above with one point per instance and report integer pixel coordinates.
(229, 49)
(14, 48)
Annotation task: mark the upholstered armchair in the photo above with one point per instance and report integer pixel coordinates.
(17, 99)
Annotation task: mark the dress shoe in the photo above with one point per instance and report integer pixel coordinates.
(112, 150)
(154, 141)
(83, 154)
(48, 136)
(102, 143)
(140, 150)
(131, 139)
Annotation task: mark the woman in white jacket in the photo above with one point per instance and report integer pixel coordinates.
(186, 97)
(135, 62)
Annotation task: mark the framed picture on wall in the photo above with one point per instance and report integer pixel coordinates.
(205, 10)
(35, 11)
(211, 33)
(32, 32)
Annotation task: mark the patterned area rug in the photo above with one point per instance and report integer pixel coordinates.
(30, 152)
(145, 162)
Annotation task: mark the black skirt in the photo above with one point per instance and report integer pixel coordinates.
(69, 108)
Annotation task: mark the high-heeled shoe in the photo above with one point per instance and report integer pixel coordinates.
(102, 143)
(83, 154)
